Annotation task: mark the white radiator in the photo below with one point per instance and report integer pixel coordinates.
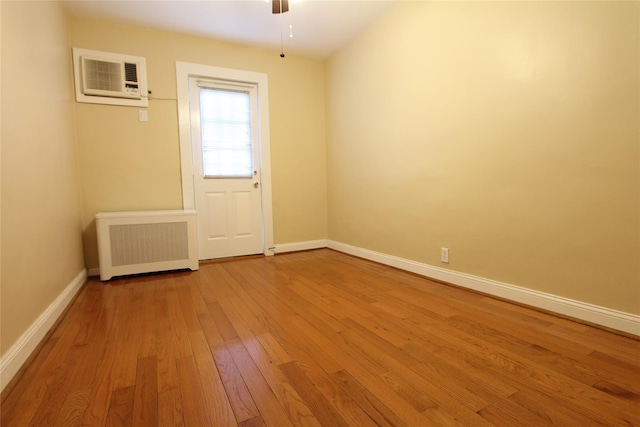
(144, 242)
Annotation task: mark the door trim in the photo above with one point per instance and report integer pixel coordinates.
(186, 70)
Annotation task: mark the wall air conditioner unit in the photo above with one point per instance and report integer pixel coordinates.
(102, 77)
(109, 78)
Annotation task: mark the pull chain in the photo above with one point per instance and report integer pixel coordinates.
(281, 37)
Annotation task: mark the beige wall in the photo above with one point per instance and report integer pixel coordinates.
(129, 165)
(507, 132)
(41, 222)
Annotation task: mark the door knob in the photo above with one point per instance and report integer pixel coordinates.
(255, 185)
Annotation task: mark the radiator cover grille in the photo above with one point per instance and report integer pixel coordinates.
(144, 243)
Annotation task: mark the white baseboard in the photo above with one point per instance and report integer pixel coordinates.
(602, 316)
(277, 249)
(13, 360)
(299, 246)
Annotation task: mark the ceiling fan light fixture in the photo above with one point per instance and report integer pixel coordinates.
(279, 6)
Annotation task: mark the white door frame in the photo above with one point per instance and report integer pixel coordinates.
(185, 70)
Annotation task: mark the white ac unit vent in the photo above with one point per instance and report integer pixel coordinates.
(109, 78)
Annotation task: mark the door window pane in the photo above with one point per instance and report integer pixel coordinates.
(225, 124)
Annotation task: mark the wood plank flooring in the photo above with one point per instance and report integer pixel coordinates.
(318, 338)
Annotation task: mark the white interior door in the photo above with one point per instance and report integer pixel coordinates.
(226, 172)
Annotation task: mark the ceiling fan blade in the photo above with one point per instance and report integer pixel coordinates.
(275, 6)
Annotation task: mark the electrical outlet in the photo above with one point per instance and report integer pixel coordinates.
(444, 255)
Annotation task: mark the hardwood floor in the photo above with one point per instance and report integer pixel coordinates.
(318, 339)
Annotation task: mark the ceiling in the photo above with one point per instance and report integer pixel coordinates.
(320, 27)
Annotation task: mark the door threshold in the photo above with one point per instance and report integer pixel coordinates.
(232, 258)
